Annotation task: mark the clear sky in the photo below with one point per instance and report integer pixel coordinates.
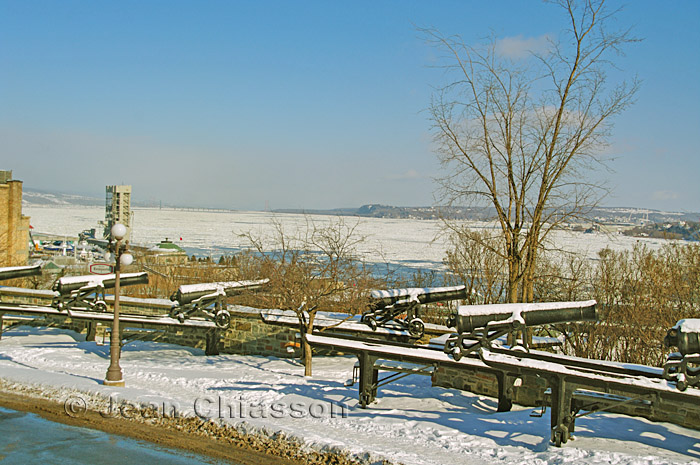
(299, 104)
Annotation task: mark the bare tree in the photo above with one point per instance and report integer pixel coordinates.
(310, 270)
(523, 135)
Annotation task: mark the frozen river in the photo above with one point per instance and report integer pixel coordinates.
(404, 242)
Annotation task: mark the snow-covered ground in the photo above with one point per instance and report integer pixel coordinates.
(412, 422)
(413, 243)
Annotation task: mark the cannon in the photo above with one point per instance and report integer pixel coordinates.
(478, 325)
(683, 366)
(88, 292)
(13, 272)
(388, 305)
(208, 299)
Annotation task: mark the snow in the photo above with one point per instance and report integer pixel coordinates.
(412, 292)
(10, 269)
(414, 243)
(498, 309)
(689, 325)
(220, 286)
(126, 319)
(412, 422)
(94, 280)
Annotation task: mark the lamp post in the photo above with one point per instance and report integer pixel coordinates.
(114, 372)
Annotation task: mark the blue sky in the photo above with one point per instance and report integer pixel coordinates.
(299, 104)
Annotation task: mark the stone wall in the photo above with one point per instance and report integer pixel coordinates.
(14, 227)
(247, 334)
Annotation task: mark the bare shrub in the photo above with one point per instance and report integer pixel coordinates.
(640, 294)
(312, 269)
(476, 260)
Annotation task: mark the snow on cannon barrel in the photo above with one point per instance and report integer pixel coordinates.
(471, 317)
(683, 366)
(481, 324)
(208, 299)
(13, 272)
(423, 295)
(87, 292)
(386, 307)
(190, 292)
(71, 283)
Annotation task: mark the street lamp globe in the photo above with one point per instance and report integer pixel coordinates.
(118, 231)
(126, 259)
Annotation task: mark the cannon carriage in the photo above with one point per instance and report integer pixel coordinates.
(479, 325)
(208, 300)
(683, 366)
(389, 306)
(88, 292)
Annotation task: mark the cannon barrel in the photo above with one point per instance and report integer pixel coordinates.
(471, 317)
(191, 292)
(424, 295)
(685, 335)
(71, 283)
(13, 272)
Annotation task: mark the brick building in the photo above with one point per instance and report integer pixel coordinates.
(14, 227)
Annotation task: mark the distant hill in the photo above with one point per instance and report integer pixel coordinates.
(39, 198)
(616, 215)
(685, 230)
(34, 197)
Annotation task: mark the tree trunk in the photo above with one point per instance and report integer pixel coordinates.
(513, 282)
(306, 347)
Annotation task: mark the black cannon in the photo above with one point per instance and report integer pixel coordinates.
(683, 366)
(478, 325)
(208, 299)
(88, 292)
(13, 272)
(388, 305)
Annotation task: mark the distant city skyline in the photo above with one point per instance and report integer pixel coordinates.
(313, 104)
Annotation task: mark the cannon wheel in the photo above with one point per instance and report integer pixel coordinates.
(370, 321)
(223, 319)
(560, 434)
(101, 306)
(416, 327)
(364, 400)
(456, 353)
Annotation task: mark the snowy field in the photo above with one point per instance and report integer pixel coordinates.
(412, 243)
(412, 422)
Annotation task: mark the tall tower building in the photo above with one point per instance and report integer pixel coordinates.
(14, 227)
(118, 209)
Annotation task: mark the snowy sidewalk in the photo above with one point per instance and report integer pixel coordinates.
(412, 422)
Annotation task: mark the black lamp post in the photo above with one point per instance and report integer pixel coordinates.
(114, 372)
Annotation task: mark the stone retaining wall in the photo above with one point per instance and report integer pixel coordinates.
(247, 335)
